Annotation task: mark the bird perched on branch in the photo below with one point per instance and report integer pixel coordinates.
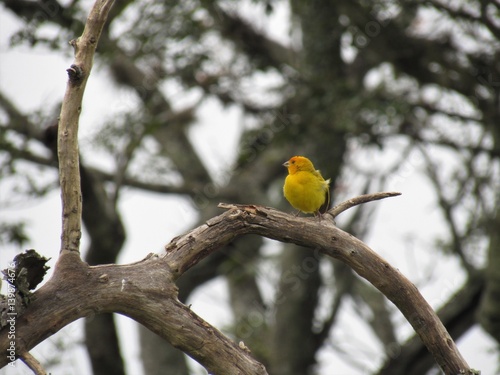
(305, 188)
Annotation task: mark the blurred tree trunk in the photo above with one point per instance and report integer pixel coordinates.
(158, 356)
(294, 349)
(490, 304)
(107, 236)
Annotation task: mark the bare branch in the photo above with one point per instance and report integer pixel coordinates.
(341, 207)
(448, 207)
(458, 315)
(69, 171)
(33, 363)
(145, 291)
(324, 237)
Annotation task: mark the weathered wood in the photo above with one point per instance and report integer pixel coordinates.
(143, 291)
(146, 291)
(67, 137)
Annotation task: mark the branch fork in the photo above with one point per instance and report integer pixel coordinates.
(146, 291)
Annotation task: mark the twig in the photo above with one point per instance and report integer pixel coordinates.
(341, 207)
(32, 363)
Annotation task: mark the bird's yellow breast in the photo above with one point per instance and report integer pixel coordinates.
(306, 191)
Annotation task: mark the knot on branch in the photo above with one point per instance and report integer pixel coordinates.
(28, 271)
(75, 74)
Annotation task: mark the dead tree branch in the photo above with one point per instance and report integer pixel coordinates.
(69, 164)
(33, 363)
(146, 291)
(341, 207)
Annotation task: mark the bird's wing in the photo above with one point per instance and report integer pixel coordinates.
(317, 173)
(327, 194)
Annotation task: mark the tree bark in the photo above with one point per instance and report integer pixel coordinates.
(145, 291)
(458, 315)
(69, 163)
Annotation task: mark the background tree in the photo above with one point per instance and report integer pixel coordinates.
(370, 91)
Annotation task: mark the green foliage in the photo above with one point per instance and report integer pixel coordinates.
(13, 234)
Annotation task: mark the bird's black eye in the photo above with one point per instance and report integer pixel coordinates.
(293, 161)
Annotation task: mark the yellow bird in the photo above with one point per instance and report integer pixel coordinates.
(305, 188)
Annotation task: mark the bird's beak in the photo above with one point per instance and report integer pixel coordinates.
(286, 164)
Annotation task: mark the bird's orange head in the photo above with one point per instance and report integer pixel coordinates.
(298, 163)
